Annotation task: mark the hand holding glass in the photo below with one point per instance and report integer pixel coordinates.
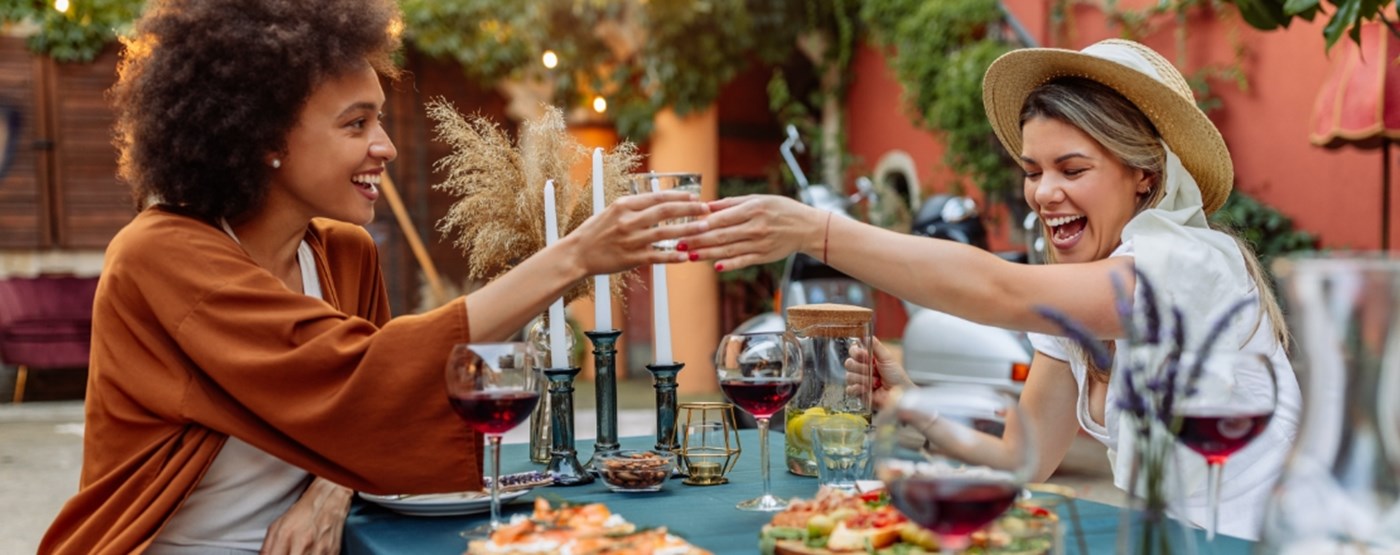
(658, 182)
(938, 453)
(492, 387)
(760, 372)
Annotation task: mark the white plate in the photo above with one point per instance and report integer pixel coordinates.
(441, 504)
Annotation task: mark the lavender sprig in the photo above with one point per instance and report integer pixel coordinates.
(1153, 332)
(1216, 330)
(1123, 304)
(1172, 365)
(1132, 401)
(1079, 334)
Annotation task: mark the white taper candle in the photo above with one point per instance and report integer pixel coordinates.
(558, 358)
(602, 289)
(661, 317)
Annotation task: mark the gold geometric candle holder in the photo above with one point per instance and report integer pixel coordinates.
(710, 446)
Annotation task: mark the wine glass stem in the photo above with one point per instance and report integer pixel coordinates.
(763, 453)
(1215, 469)
(495, 440)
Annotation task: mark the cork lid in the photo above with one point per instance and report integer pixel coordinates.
(829, 320)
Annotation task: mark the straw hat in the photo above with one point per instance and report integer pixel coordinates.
(1164, 96)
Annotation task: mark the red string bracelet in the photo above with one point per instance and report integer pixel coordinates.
(826, 236)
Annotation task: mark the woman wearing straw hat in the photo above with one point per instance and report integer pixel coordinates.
(1122, 168)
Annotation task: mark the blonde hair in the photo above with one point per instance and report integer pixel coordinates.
(1125, 131)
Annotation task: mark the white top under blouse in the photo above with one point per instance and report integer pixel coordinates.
(245, 489)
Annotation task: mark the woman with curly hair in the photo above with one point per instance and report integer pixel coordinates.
(245, 371)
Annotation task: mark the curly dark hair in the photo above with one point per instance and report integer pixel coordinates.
(207, 88)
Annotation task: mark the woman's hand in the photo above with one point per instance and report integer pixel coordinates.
(889, 374)
(620, 238)
(754, 229)
(313, 525)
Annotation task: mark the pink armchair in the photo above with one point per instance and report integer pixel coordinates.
(45, 322)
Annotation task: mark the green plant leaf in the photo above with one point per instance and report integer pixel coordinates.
(1347, 16)
(1299, 7)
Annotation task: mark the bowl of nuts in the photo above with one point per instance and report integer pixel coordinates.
(636, 470)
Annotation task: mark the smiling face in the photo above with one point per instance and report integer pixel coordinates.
(336, 152)
(1083, 193)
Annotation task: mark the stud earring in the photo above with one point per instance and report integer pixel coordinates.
(276, 163)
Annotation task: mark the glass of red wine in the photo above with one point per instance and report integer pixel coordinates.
(492, 387)
(760, 372)
(953, 458)
(1227, 405)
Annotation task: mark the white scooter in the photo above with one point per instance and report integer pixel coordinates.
(940, 347)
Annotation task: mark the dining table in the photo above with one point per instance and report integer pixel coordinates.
(703, 515)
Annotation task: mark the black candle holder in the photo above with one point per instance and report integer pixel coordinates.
(665, 384)
(563, 458)
(605, 393)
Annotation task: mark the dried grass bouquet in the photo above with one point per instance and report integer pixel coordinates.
(498, 218)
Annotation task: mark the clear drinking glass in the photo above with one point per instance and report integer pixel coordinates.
(492, 387)
(656, 182)
(1230, 403)
(759, 372)
(841, 446)
(941, 469)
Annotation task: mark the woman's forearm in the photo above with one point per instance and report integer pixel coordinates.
(507, 303)
(972, 283)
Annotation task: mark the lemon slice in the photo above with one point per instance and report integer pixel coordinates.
(854, 419)
(797, 427)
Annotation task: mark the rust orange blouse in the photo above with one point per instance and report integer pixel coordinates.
(193, 342)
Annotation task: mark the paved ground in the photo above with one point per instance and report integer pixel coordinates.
(41, 448)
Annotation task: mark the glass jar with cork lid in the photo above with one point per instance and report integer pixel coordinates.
(826, 332)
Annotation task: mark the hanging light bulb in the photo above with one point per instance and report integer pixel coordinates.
(549, 59)
(600, 104)
(61, 5)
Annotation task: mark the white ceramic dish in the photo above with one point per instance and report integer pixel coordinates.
(441, 504)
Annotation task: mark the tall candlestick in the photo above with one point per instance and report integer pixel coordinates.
(558, 358)
(602, 290)
(661, 320)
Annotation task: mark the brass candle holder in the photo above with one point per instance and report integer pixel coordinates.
(710, 446)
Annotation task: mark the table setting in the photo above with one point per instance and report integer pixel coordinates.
(916, 477)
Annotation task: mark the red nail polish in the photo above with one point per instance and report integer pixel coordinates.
(683, 247)
(694, 256)
(719, 267)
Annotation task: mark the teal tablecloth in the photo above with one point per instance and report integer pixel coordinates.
(704, 515)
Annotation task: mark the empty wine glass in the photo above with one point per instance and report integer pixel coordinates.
(1229, 400)
(953, 458)
(654, 182)
(760, 372)
(492, 387)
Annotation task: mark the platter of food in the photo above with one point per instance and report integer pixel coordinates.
(590, 528)
(836, 523)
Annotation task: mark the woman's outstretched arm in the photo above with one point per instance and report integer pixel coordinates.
(944, 275)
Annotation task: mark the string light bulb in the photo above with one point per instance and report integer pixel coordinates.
(600, 104)
(61, 5)
(550, 59)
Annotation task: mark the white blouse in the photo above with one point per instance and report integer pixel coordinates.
(1249, 475)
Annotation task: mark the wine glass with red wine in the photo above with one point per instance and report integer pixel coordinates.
(760, 372)
(953, 458)
(1226, 407)
(492, 387)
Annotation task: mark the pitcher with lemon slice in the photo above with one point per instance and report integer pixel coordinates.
(827, 332)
